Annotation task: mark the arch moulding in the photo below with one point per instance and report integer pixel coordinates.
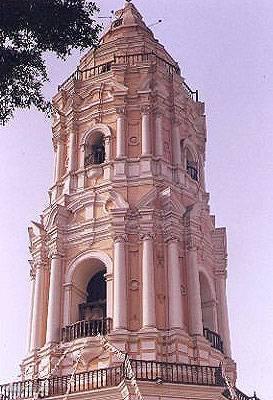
(90, 254)
(102, 128)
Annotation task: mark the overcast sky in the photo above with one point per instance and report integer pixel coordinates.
(224, 49)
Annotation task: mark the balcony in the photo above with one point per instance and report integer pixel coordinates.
(151, 371)
(86, 328)
(214, 339)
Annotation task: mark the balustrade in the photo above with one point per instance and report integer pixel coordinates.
(130, 59)
(86, 328)
(214, 339)
(110, 377)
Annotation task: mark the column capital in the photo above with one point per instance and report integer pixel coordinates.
(192, 243)
(171, 237)
(121, 111)
(59, 137)
(146, 109)
(219, 273)
(55, 249)
(120, 237)
(147, 236)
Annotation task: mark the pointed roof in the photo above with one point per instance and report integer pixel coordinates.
(130, 15)
(127, 34)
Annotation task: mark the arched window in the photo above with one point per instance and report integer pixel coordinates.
(95, 306)
(94, 150)
(191, 165)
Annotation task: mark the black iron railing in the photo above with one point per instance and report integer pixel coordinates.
(240, 395)
(186, 374)
(214, 339)
(109, 377)
(55, 386)
(130, 59)
(83, 329)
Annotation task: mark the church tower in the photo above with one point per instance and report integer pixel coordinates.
(126, 257)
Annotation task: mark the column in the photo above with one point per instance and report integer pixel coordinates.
(38, 307)
(59, 159)
(159, 135)
(148, 282)
(72, 151)
(195, 309)
(120, 283)
(120, 150)
(107, 148)
(222, 311)
(174, 281)
(32, 277)
(54, 301)
(176, 145)
(145, 131)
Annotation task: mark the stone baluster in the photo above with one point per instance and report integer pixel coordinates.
(174, 281)
(55, 298)
(146, 132)
(222, 311)
(148, 282)
(120, 150)
(120, 283)
(195, 309)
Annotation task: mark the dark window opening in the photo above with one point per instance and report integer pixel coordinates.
(96, 153)
(192, 170)
(95, 306)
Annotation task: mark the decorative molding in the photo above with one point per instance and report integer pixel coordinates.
(134, 284)
(133, 141)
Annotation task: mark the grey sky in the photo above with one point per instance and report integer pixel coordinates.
(224, 49)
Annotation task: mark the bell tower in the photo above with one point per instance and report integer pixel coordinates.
(127, 248)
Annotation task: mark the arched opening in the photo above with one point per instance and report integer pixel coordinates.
(209, 318)
(94, 149)
(95, 306)
(207, 303)
(87, 306)
(191, 165)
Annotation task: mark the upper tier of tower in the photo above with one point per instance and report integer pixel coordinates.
(127, 114)
(127, 34)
